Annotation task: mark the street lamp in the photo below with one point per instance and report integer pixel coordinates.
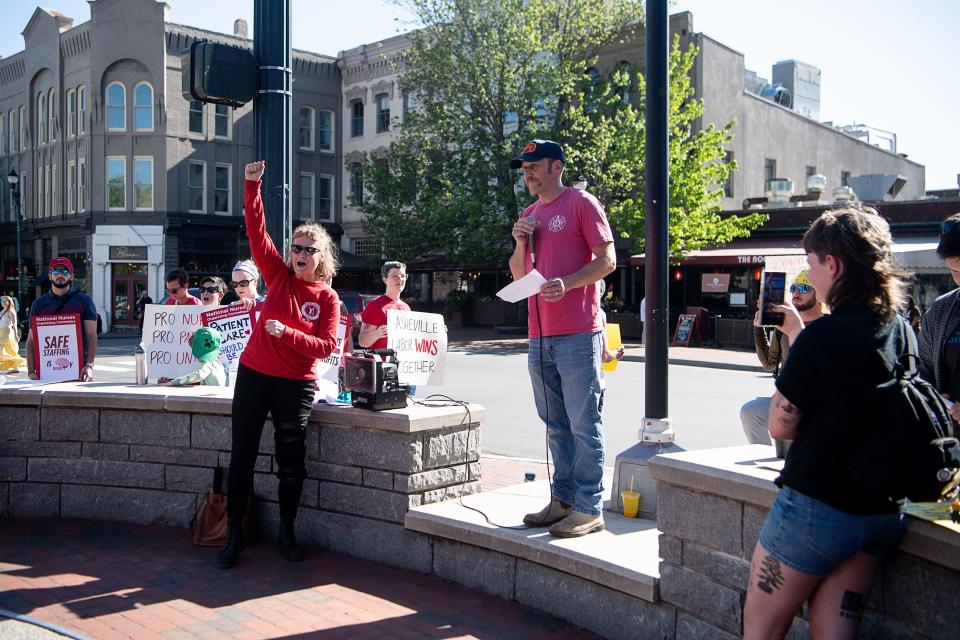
(14, 181)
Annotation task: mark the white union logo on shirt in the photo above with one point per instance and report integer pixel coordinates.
(310, 310)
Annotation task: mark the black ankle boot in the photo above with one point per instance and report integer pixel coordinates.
(289, 549)
(227, 558)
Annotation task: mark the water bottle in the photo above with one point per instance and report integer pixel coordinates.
(141, 365)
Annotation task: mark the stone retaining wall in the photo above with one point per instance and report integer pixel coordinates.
(710, 509)
(146, 455)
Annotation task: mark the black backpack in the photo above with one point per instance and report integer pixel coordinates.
(910, 450)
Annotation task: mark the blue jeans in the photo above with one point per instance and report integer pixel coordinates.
(565, 373)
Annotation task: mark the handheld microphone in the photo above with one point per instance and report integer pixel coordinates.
(533, 252)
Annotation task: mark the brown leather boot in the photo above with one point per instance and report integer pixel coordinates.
(577, 524)
(556, 511)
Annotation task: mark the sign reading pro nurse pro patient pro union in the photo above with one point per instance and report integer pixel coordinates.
(419, 341)
(57, 349)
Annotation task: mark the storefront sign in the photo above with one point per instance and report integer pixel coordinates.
(420, 343)
(129, 254)
(750, 259)
(715, 282)
(57, 349)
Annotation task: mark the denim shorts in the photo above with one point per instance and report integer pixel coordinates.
(814, 538)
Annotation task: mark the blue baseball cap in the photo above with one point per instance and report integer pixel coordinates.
(538, 150)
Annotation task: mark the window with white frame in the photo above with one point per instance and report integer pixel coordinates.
(383, 113)
(306, 195)
(356, 119)
(196, 186)
(325, 130)
(221, 121)
(143, 183)
(81, 185)
(71, 186)
(54, 191)
(41, 199)
(221, 188)
(41, 118)
(14, 137)
(23, 128)
(116, 107)
(81, 110)
(71, 112)
(306, 128)
(366, 247)
(52, 117)
(325, 198)
(116, 183)
(143, 107)
(356, 183)
(195, 123)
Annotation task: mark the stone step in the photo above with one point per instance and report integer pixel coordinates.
(624, 556)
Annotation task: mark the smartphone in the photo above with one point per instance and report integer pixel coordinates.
(774, 286)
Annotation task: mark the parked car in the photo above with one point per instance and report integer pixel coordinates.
(355, 303)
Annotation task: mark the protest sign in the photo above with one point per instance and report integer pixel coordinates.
(328, 369)
(166, 338)
(57, 349)
(235, 325)
(419, 341)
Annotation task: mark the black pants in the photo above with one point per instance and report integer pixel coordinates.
(289, 402)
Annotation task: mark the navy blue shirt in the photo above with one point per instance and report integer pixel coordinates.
(78, 302)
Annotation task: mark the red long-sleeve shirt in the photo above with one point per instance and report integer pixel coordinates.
(309, 310)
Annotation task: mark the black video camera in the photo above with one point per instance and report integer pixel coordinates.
(373, 380)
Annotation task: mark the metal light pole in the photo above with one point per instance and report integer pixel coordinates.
(273, 113)
(14, 180)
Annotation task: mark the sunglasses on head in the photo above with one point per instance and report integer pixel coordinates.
(60, 272)
(948, 226)
(801, 288)
(240, 283)
(299, 248)
(210, 289)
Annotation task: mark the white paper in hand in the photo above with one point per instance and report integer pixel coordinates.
(525, 287)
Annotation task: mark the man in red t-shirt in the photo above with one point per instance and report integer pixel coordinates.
(574, 250)
(373, 331)
(177, 282)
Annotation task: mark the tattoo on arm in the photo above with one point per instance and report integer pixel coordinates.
(771, 575)
(852, 605)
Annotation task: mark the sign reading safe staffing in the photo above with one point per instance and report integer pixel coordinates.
(686, 326)
(57, 349)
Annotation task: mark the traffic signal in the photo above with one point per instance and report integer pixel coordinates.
(218, 73)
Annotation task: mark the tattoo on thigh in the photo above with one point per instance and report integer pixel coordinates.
(852, 605)
(771, 575)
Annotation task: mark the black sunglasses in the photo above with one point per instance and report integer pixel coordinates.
(210, 289)
(240, 283)
(173, 291)
(299, 248)
(948, 226)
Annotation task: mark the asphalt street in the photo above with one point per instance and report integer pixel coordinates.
(704, 402)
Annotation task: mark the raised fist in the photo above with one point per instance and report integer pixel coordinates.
(254, 170)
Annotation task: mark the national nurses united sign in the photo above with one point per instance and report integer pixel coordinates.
(235, 325)
(57, 348)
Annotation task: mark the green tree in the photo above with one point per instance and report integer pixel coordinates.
(489, 76)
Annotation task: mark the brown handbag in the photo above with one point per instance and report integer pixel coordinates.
(209, 523)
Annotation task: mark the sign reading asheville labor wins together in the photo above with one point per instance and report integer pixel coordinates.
(57, 347)
(420, 343)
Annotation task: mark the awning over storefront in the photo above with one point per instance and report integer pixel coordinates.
(919, 255)
(740, 253)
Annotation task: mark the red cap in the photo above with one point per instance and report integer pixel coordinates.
(61, 263)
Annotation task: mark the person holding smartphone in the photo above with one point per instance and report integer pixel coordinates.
(772, 353)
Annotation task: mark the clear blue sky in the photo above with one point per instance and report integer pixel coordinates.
(892, 65)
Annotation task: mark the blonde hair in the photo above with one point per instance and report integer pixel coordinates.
(11, 309)
(328, 260)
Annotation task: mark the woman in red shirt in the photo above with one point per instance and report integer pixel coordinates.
(277, 370)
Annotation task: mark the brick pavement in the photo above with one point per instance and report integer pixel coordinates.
(113, 580)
